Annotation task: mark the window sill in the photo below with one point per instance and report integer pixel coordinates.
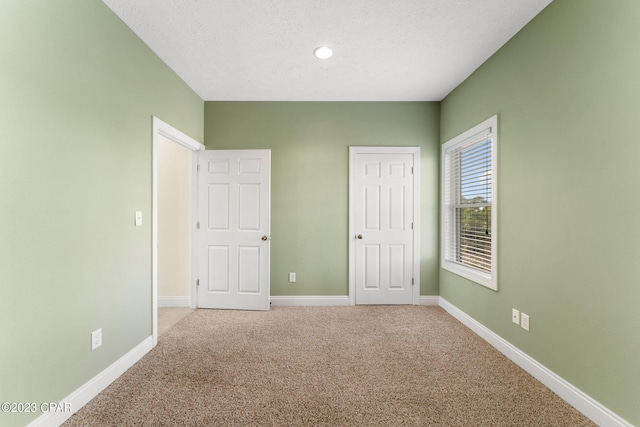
(485, 279)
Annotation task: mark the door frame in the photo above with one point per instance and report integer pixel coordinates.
(161, 128)
(353, 152)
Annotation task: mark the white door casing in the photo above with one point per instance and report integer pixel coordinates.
(234, 220)
(384, 225)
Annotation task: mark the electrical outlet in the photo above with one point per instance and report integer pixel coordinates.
(524, 322)
(515, 316)
(292, 277)
(96, 339)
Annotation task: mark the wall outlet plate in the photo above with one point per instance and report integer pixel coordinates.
(292, 277)
(96, 339)
(524, 321)
(515, 316)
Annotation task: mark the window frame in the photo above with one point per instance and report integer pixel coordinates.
(448, 237)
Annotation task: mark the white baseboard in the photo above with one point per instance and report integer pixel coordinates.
(429, 300)
(298, 301)
(174, 301)
(581, 401)
(89, 390)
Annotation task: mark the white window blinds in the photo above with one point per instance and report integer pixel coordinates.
(468, 202)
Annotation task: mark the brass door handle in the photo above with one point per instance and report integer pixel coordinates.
(265, 238)
(359, 236)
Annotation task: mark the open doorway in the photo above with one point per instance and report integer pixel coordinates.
(174, 232)
(173, 224)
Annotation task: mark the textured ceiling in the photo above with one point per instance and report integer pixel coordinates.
(384, 50)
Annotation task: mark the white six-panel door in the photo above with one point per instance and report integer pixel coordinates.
(383, 227)
(233, 238)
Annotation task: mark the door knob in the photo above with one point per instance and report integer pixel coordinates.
(359, 236)
(265, 238)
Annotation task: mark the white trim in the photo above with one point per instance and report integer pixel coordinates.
(174, 301)
(592, 409)
(353, 151)
(168, 131)
(94, 386)
(489, 280)
(429, 300)
(310, 301)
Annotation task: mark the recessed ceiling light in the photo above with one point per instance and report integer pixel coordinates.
(323, 52)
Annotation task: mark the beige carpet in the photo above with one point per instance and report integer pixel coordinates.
(325, 366)
(169, 316)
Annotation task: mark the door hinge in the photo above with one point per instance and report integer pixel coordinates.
(411, 170)
(198, 282)
(198, 225)
(198, 168)
(412, 226)
(412, 281)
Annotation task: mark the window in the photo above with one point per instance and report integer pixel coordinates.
(469, 243)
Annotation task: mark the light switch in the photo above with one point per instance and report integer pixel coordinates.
(138, 218)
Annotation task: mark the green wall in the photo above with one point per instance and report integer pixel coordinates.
(78, 92)
(567, 93)
(310, 176)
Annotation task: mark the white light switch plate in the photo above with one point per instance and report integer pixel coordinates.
(138, 218)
